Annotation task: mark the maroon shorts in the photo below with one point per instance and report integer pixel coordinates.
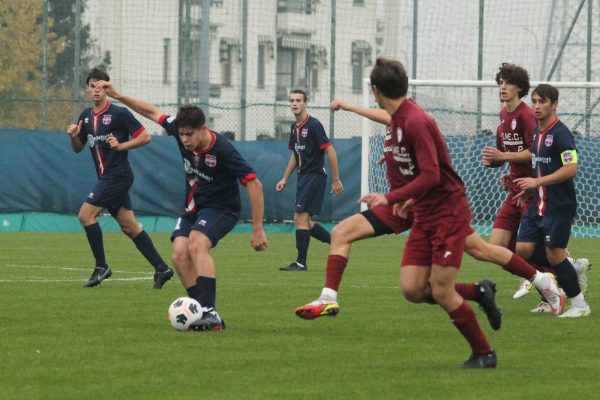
(441, 243)
(396, 224)
(509, 216)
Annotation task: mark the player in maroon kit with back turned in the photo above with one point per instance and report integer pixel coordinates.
(435, 245)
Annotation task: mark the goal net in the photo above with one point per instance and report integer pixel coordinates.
(467, 113)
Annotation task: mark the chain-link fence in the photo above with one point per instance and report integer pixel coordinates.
(240, 58)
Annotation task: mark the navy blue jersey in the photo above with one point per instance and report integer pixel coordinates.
(550, 150)
(211, 172)
(94, 131)
(308, 140)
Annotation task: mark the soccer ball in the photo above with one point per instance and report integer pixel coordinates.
(183, 312)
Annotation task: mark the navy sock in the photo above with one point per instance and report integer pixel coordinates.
(538, 258)
(94, 237)
(146, 247)
(320, 233)
(302, 241)
(194, 292)
(567, 278)
(207, 290)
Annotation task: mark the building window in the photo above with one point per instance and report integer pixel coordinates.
(166, 60)
(297, 6)
(293, 64)
(360, 3)
(225, 61)
(260, 74)
(361, 58)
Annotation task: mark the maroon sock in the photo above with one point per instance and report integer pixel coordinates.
(466, 290)
(465, 321)
(335, 270)
(517, 266)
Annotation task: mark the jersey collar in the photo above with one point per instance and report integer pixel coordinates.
(542, 132)
(101, 111)
(213, 139)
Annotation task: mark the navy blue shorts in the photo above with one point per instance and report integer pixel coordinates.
(550, 231)
(111, 194)
(310, 192)
(215, 223)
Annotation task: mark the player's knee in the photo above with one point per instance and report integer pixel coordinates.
(197, 246)
(412, 294)
(440, 294)
(339, 234)
(178, 258)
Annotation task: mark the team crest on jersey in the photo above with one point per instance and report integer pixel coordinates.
(549, 140)
(210, 160)
(86, 120)
(304, 132)
(399, 134)
(106, 119)
(90, 140)
(513, 124)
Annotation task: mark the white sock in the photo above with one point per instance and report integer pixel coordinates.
(328, 294)
(578, 301)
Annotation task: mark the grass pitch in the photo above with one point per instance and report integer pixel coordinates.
(59, 340)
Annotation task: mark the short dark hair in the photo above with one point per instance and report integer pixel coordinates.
(190, 115)
(302, 92)
(98, 74)
(546, 91)
(390, 78)
(515, 75)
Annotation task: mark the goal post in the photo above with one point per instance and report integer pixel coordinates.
(455, 104)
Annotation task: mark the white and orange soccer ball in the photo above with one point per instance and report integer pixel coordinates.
(183, 312)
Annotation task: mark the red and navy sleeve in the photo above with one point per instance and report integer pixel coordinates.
(168, 122)
(322, 139)
(130, 123)
(236, 164)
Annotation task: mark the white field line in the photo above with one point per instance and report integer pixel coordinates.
(73, 269)
(243, 282)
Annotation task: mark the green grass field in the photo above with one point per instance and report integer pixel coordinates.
(59, 340)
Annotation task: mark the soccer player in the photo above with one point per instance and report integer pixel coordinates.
(383, 220)
(110, 131)
(309, 144)
(441, 212)
(550, 214)
(212, 201)
(514, 135)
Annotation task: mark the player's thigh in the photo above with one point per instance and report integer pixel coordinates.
(501, 237)
(531, 234)
(507, 223)
(310, 191)
(351, 229)
(557, 231)
(448, 242)
(384, 215)
(214, 223)
(481, 250)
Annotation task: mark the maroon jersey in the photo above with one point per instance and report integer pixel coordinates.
(419, 167)
(514, 134)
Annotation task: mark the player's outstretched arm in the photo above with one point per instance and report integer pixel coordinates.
(142, 107)
(374, 114)
(336, 184)
(258, 240)
(73, 132)
(280, 186)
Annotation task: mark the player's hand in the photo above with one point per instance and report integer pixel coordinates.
(337, 105)
(523, 198)
(526, 183)
(112, 142)
(374, 199)
(280, 187)
(381, 160)
(73, 130)
(505, 182)
(108, 88)
(490, 155)
(336, 187)
(258, 240)
(402, 209)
